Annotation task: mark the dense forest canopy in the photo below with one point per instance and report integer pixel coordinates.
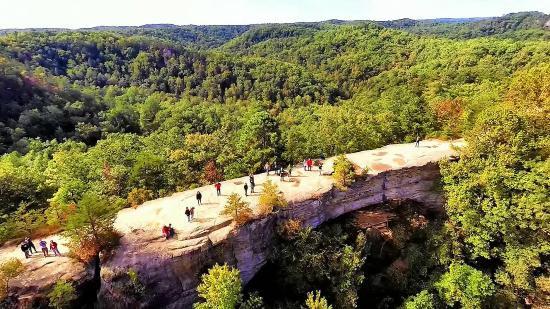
(132, 112)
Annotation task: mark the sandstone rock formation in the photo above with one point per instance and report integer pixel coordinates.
(171, 269)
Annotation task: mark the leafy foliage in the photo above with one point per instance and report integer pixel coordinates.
(316, 301)
(62, 295)
(9, 269)
(270, 198)
(465, 285)
(344, 172)
(238, 209)
(90, 228)
(220, 288)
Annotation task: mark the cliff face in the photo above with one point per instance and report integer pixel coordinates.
(171, 269)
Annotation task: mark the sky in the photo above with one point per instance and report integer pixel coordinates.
(89, 13)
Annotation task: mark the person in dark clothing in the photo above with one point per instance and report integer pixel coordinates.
(218, 187)
(188, 214)
(171, 231)
(192, 213)
(290, 170)
(25, 249)
(31, 245)
(252, 183)
(199, 198)
(417, 144)
(44, 246)
(245, 189)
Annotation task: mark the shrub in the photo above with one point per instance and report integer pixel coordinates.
(62, 294)
(422, 300)
(270, 198)
(254, 301)
(290, 228)
(220, 288)
(344, 173)
(127, 283)
(238, 209)
(316, 301)
(9, 269)
(139, 196)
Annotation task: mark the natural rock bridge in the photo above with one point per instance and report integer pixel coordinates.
(171, 268)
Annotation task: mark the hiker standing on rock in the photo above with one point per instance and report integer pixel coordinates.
(305, 165)
(192, 213)
(309, 164)
(30, 245)
(199, 198)
(53, 247)
(25, 249)
(289, 169)
(320, 168)
(417, 144)
(252, 183)
(218, 187)
(245, 189)
(44, 247)
(266, 167)
(188, 214)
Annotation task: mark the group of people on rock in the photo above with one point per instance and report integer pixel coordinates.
(168, 231)
(308, 165)
(27, 246)
(190, 213)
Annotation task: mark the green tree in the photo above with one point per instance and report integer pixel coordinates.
(344, 173)
(62, 295)
(465, 285)
(90, 228)
(220, 288)
(270, 198)
(238, 209)
(10, 269)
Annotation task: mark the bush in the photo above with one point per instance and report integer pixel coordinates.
(422, 300)
(62, 295)
(128, 284)
(9, 269)
(270, 199)
(139, 196)
(220, 288)
(254, 301)
(289, 229)
(344, 173)
(316, 301)
(238, 209)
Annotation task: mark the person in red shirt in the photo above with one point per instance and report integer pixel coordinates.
(309, 164)
(165, 232)
(218, 188)
(53, 247)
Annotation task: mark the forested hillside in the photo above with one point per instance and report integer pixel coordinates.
(136, 113)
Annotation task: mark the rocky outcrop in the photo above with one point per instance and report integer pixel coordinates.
(171, 269)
